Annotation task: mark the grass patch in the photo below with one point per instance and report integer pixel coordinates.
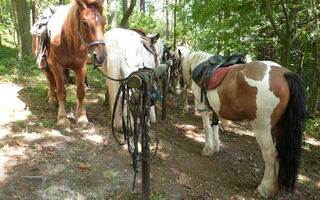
(313, 126)
(177, 116)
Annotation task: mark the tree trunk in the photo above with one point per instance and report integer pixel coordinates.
(167, 19)
(34, 10)
(112, 20)
(175, 25)
(143, 6)
(286, 53)
(315, 103)
(22, 26)
(127, 12)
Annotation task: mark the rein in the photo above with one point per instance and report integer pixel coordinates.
(135, 125)
(108, 77)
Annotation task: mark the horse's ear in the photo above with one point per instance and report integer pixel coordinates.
(81, 4)
(179, 52)
(169, 47)
(155, 38)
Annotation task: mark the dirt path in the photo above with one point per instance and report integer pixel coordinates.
(40, 162)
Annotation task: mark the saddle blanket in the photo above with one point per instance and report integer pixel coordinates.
(217, 77)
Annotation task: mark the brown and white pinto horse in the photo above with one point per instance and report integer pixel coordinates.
(271, 98)
(74, 31)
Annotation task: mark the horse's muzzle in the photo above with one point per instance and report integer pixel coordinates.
(98, 59)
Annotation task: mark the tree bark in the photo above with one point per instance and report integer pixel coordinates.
(143, 6)
(175, 25)
(112, 20)
(127, 13)
(34, 10)
(22, 26)
(167, 19)
(316, 93)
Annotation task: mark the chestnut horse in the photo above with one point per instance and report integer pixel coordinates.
(74, 31)
(271, 98)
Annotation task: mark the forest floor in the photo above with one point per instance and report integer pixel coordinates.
(40, 162)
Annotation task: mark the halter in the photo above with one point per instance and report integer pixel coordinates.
(88, 45)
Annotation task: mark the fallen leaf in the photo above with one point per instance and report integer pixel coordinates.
(21, 144)
(84, 167)
(50, 153)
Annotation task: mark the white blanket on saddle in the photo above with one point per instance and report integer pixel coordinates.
(40, 26)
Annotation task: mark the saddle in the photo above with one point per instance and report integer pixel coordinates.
(204, 74)
(40, 30)
(148, 42)
(210, 73)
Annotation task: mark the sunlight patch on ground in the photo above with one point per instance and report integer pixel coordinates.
(191, 132)
(95, 138)
(163, 155)
(312, 141)
(10, 156)
(235, 128)
(12, 108)
(303, 178)
(182, 178)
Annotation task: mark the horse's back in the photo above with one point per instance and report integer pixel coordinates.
(254, 90)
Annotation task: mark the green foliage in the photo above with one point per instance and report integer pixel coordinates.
(313, 126)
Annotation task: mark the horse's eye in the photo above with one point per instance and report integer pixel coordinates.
(85, 24)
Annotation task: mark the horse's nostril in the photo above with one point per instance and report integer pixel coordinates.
(95, 57)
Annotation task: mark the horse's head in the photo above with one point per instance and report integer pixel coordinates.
(177, 59)
(166, 54)
(91, 28)
(158, 45)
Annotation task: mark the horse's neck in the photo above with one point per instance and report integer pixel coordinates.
(60, 28)
(197, 57)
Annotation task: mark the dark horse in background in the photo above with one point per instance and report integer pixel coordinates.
(74, 31)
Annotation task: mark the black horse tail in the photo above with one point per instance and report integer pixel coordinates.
(291, 124)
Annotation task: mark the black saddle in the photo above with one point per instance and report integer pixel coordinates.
(202, 73)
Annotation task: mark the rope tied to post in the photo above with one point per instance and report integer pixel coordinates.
(135, 98)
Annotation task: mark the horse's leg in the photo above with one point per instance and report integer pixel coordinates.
(269, 184)
(57, 71)
(113, 88)
(52, 97)
(153, 116)
(224, 123)
(185, 98)
(212, 135)
(81, 116)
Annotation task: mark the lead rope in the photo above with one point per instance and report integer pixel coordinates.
(136, 104)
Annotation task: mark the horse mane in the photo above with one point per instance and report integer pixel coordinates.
(194, 58)
(70, 26)
(159, 46)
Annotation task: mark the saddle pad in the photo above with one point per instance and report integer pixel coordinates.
(217, 77)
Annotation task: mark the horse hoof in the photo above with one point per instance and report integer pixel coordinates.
(207, 151)
(52, 100)
(82, 121)
(265, 192)
(63, 123)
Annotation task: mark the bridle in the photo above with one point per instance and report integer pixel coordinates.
(88, 45)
